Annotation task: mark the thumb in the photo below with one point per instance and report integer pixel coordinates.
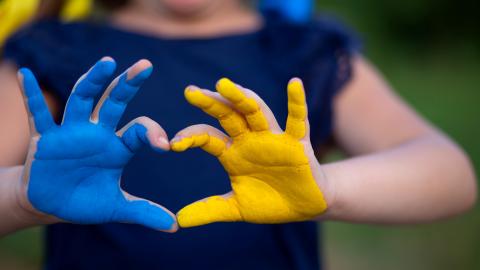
(212, 209)
(144, 131)
(146, 213)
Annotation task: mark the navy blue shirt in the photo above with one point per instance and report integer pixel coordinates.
(319, 52)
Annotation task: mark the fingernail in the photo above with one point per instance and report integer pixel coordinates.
(20, 74)
(162, 145)
(22, 71)
(137, 78)
(163, 141)
(107, 59)
(175, 140)
(192, 88)
(295, 80)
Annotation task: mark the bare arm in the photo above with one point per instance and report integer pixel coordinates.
(16, 213)
(14, 140)
(405, 171)
(14, 134)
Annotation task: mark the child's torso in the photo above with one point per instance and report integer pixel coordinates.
(257, 61)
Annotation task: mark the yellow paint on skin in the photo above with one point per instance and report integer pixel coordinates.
(247, 106)
(297, 111)
(233, 123)
(210, 144)
(270, 174)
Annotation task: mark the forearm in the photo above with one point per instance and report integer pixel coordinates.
(422, 180)
(14, 212)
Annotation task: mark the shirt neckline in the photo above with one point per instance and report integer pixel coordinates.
(214, 38)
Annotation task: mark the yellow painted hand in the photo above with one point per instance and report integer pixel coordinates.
(271, 171)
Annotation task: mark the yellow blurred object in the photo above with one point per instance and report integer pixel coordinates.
(270, 174)
(76, 9)
(15, 13)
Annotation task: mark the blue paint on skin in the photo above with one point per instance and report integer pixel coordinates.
(77, 166)
(135, 136)
(80, 105)
(295, 10)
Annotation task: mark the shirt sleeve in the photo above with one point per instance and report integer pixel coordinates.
(320, 52)
(326, 71)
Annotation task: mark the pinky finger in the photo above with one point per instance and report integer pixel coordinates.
(40, 119)
(297, 120)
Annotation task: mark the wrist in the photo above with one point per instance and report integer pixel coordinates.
(339, 201)
(22, 210)
(324, 176)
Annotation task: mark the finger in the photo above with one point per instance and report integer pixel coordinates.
(112, 104)
(297, 122)
(144, 131)
(268, 114)
(146, 213)
(233, 123)
(211, 209)
(80, 103)
(210, 139)
(246, 105)
(272, 122)
(40, 118)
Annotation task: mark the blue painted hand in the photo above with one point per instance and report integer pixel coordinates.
(73, 170)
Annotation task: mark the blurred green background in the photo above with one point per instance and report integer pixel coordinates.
(430, 52)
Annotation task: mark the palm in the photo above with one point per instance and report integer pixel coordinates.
(264, 197)
(73, 170)
(269, 170)
(84, 178)
(264, 149)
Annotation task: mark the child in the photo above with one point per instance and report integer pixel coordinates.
(402, 169)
